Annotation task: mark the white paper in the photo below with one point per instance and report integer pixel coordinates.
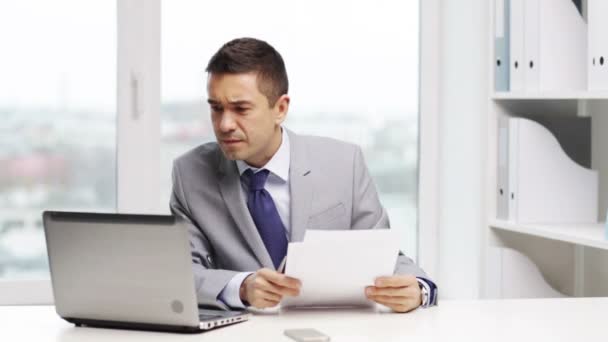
(336, 266)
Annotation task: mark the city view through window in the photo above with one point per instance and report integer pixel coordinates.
(357, 81)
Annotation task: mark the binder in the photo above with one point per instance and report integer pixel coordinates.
(597, 60)
(556, 38)
(513, 167)
(521, 277)
(501, 45)
(516, 45)
(502, 190)
(545, 185)
(532, 44)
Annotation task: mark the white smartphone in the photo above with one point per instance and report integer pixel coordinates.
(306, 335)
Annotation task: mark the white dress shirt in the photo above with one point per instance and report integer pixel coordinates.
(277, 185)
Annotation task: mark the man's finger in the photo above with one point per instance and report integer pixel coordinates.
(268, 295)
(280, 279)
(389, 299)
(266, 285)
(395, 281)
(389, 291)
(272, 297)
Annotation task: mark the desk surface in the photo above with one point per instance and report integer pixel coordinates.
(568, 319)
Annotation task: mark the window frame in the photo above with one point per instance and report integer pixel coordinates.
(138, 131)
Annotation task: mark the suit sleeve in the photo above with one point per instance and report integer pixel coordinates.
(209, 281)
(368, 213)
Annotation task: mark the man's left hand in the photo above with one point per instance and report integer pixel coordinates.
(399, 292)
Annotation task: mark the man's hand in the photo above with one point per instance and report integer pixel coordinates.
(267, 287)
(400, 292)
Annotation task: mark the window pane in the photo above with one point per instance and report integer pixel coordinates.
(57, 121)
(353, 72)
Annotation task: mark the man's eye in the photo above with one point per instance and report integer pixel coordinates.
(216, 109)
(241, 109)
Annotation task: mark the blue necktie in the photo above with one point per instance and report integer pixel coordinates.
(265, 216)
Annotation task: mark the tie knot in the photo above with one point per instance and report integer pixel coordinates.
(256, 180)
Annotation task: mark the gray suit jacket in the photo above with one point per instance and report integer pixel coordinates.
(330, 189)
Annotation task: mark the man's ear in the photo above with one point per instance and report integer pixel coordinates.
(281, 107)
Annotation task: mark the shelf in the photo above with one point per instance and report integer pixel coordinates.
(566, 95)
(591, 235)
(551, 104)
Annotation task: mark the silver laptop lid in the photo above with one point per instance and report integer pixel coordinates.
(119, 267)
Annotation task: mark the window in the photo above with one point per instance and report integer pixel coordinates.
(57, 121)
(353, 71)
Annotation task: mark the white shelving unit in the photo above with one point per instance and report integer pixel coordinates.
(567, 95)
(568, 257)
(588, 235)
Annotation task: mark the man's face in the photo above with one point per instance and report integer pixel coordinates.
(246, 126)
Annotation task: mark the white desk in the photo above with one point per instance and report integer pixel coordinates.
(570, 319)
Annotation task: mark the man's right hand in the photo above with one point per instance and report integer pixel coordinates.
(266, 288)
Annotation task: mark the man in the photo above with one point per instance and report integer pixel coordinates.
(260, 186)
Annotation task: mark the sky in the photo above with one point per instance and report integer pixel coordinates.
(58, 53)
(340, 55)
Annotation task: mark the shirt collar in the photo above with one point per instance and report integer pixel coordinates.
(278, 164)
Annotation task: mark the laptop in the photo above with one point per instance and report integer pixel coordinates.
(126, 271)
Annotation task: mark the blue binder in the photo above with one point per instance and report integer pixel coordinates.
(501, 45)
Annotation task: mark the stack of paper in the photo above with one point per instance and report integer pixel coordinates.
(336, 266)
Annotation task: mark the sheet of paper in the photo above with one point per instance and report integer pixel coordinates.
(336, 266)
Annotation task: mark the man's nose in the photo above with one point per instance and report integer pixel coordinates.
(227, 124)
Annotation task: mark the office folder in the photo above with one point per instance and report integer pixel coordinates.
(520, 277)
(555, 46)
(545, 185)
(502, 189)
(513, 141)
(516, 45)
(597, 60)
(532, 44)
(501, 45)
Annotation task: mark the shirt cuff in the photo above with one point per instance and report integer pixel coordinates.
(431, 290)
(230, 295)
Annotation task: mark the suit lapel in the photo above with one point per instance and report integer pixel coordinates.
(301, 187)
(232, 193)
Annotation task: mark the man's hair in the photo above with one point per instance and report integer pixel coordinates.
(245, 55)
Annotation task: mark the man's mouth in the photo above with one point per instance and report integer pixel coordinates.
(231, 141)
